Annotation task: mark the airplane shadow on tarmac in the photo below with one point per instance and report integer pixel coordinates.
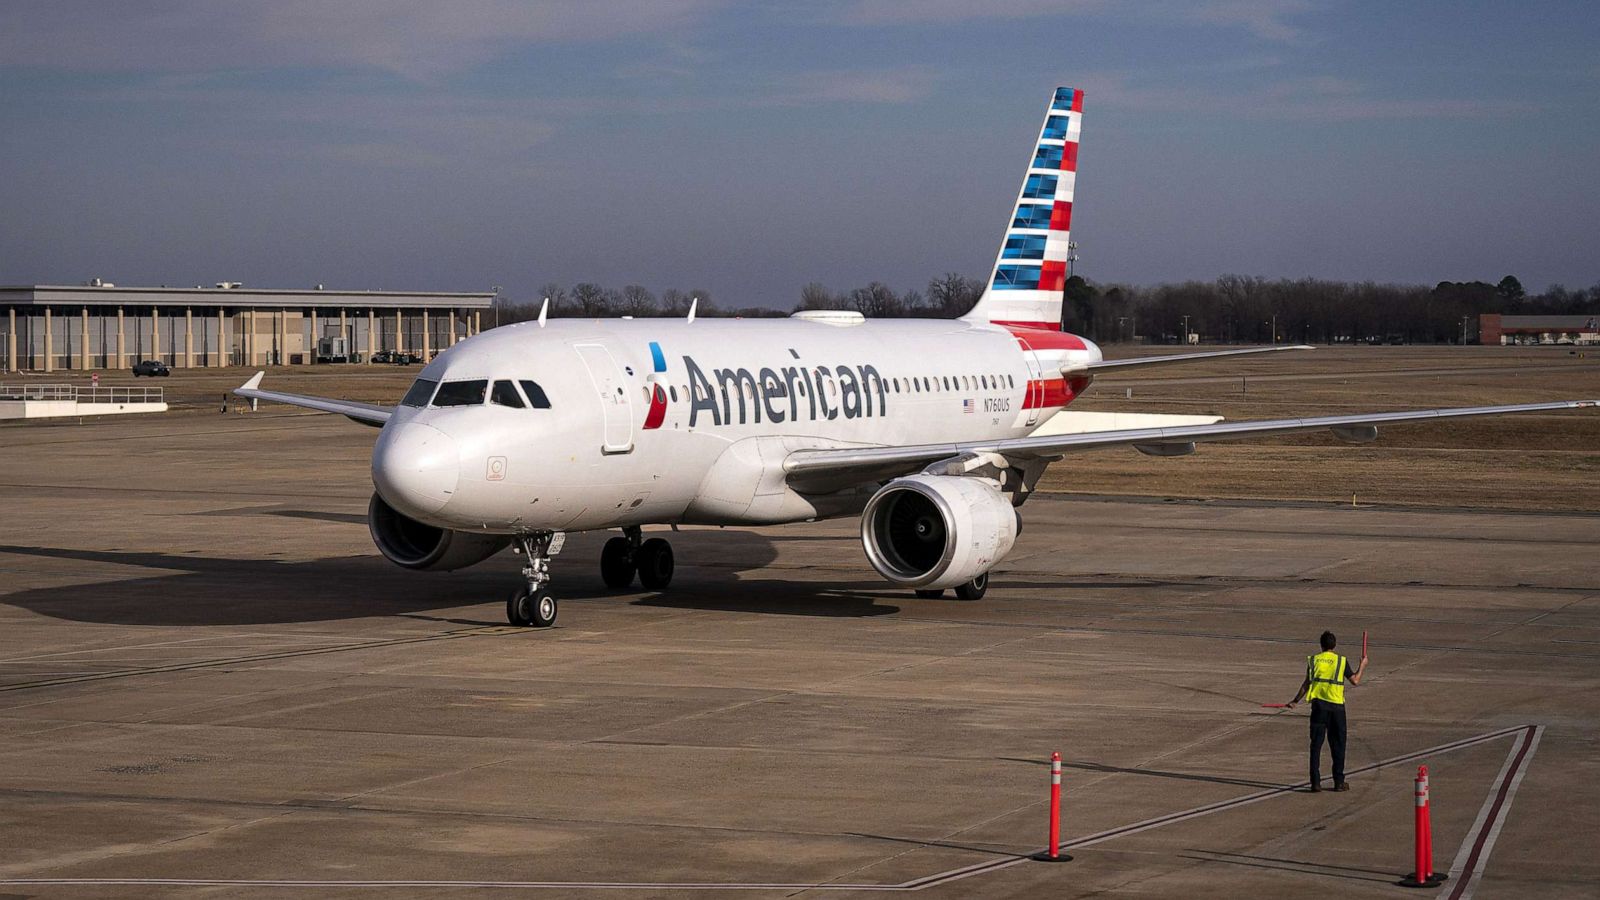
(189, 589)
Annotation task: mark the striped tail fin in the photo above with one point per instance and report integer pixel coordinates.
(1026, 285)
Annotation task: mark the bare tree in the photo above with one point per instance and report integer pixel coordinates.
(590, 300)
(953, 294)
(816, 296)
(876, 301)
(674, 302)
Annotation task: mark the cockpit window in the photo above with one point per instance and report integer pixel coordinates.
(504, 393)
(460, 393)
(421, 392)
(535, 394)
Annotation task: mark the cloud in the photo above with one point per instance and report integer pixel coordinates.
(413, 38)
(898, 85)
(1310, 99)
(1267, 19)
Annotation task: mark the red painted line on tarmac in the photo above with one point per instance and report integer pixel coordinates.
(1486, 830)
(1479, 842)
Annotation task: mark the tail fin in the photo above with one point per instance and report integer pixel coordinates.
(1025, 288)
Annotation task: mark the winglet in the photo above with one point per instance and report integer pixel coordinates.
(254, 382)
(693, 305)
(544, 312)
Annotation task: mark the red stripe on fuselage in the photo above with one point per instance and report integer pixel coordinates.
(658, 408)
(1054, 392)
(1043, 335)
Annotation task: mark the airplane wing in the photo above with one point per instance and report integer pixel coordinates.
(834, 468)
(1108, 364)
(365, 413)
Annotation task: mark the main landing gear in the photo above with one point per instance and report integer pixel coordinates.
(623, 557)
(533, 604)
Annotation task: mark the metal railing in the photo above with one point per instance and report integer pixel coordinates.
(82, 394)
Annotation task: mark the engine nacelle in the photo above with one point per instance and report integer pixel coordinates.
(413, 545)
(937, 531)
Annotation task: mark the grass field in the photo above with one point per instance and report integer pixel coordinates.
(1544, 462)
(1536, 462)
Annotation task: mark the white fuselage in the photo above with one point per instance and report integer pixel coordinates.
(666, 420)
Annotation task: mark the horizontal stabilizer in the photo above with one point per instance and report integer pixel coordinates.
(1106, 364)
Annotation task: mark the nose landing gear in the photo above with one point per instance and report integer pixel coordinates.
(533, 604)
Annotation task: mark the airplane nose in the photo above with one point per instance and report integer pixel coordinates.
(416, 467)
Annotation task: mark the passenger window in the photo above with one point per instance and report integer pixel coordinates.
(461, 393)
(536, 397)
(504, 393)
(421, 392)
(672, 392)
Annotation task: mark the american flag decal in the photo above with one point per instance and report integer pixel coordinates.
(967, 406)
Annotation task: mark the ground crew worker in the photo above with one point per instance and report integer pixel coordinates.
(1324, 687)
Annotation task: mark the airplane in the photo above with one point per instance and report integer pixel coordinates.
(928, 430)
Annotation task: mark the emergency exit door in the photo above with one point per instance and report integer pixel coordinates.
(616, 401)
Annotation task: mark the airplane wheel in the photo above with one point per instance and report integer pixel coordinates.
(616, 563)
(974, 589)
(655, 564)
(930, 593)
(531, 607)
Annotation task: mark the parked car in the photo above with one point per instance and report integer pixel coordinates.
(151, 367)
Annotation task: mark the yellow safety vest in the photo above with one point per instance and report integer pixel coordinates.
(1326, 671)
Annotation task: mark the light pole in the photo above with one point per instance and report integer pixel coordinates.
(497, 289)
(1186, 330)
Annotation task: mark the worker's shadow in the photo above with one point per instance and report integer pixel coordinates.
(177, 589)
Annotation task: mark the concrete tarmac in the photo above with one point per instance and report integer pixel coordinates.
(212, 685)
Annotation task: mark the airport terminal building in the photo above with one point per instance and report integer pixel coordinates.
(104, 326)
(1497, 329)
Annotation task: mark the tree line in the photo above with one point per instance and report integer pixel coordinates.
(1231, 309)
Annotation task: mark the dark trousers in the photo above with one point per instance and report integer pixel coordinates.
(1327, 720)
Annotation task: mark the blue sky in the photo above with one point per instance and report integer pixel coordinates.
(748, 148)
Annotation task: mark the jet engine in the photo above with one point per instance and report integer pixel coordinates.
(414, 545)
(937, 531)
